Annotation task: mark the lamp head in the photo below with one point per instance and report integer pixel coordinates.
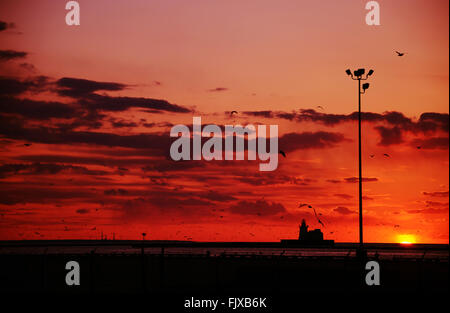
(365, 86)
(349, 73)
(360, 72)
(370, 73)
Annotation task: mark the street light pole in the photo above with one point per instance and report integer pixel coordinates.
(360, 168)
(359, 76)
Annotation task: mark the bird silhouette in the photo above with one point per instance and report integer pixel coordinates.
(400, 54)
(320, 107)
(386, 155)
(318, 219)
(372, 155)
(233, 112)
(419, 147)
(282, 153)
(27, 144)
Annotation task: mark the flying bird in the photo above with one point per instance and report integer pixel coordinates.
(27, 144)
(315, 213)
(318, 219)
(386, 155)
(400, 54)
(282, 153)
(233, 112)
(419, 147)
(320, 107)
(372, 155)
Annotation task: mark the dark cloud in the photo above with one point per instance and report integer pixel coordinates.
(105, 160)
(172, 202)
(261, 179)
(11, 193)
(170, 165)
(28, 66)
(163, 206)
(84, 89)
(428, 211)
(343, 210)
(5, 25)
(310, 140)
(258, 208)
(6, 55)
(39, 110)
(107, 103)
(217, 196)
(389, 135)
(436, 193)
(15, 129)
(77, 87)
(266, 114)
(428, 122)
(217, 89)
(7, 170)
(12, 86)
(432, 143)
(123, 124)
(115, 192)
(356, 179)
(431, 121)
(436, 204)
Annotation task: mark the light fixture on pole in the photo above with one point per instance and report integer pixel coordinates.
(358, 75)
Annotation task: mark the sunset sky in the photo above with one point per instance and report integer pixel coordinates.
(86, 112)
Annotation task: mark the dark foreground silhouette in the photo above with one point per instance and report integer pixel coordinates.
(148, 267)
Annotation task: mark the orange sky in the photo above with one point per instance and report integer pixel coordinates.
(89, 169)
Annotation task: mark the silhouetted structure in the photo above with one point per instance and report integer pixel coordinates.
(358, 75)
(308, 237)
(312, 235)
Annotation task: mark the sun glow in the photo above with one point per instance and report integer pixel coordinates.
(406, 239)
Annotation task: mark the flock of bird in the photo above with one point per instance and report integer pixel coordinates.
(400, 54)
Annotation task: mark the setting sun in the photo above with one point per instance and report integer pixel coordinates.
(406, 239)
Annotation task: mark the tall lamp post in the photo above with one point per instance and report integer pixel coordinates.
(358, 75)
